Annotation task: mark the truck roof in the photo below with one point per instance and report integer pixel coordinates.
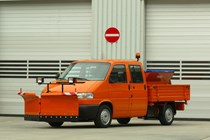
(110, 61)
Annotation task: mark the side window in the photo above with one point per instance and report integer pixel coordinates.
(118, 74)
(136, 74)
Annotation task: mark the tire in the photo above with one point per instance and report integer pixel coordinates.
(123, 121)
(166, 115)
(104, 117)
(55, 124)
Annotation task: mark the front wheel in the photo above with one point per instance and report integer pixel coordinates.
(55, 124)
(123, 121)
(166, 115)
(104, 117)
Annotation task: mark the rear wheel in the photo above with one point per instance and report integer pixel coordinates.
(104, 117)
(123, 121)
(166, 115)
(55, 124)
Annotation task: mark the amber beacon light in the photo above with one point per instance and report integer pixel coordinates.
(138, 56)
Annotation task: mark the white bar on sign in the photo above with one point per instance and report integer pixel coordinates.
(112, 35)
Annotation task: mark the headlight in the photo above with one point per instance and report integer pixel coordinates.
(85, 95)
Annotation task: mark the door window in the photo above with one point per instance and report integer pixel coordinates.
(118, 74)
(136, 74)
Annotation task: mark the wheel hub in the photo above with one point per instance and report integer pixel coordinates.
(105, 117)
(169, 115)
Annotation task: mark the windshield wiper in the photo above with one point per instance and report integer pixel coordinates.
(80, 78)
(61, 79)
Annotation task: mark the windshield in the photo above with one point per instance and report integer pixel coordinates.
(95, 71)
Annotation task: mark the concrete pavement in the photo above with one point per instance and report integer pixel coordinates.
(15, 128)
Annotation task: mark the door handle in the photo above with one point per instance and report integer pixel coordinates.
(129, 87)
(145, 87)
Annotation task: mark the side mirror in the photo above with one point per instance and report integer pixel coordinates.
(40, 80)
(112, 80)
(57, 75)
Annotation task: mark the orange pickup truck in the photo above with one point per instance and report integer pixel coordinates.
(102, 90)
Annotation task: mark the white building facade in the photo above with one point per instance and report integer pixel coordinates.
(40, 38)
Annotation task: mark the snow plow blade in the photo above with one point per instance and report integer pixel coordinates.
(31, 103)
(51, 107)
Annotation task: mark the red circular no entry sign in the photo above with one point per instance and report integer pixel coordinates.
(112, 35)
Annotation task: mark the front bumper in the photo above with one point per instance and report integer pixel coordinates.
(88, 112)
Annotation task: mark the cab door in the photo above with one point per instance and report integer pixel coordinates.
(138, 100)
(119, 91)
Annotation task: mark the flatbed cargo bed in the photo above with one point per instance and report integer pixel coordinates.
(160, 89)
(163, 93)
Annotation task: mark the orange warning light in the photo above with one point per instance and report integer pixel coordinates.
(138, 56)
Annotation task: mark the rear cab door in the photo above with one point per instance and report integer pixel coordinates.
(138, 91)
